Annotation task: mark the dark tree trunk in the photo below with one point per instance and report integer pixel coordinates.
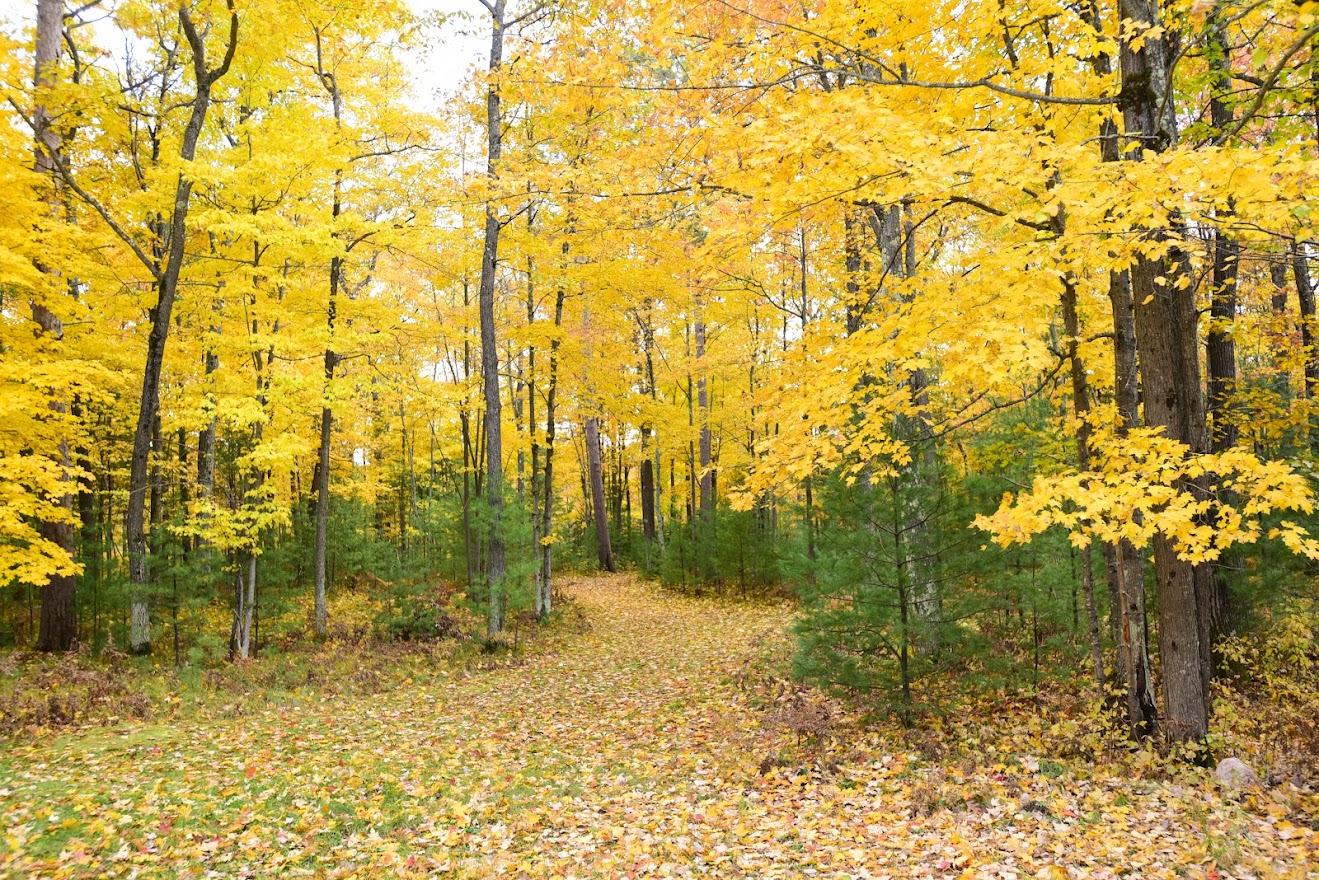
(707, 476)
(656, 499)
(1081, 406)
(1221, 347)
(1127, 561)
(647, 486)
(604, 550)
(58, 627)
(1278, 303)
(1165, 320)
(1222, 352)
(167, 284)
(494, 478)
(546, 551)
(1306, 309)
(320, 571)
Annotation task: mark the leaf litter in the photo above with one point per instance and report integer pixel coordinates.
(630, 751)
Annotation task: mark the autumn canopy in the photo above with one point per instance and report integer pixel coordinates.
(984, 329)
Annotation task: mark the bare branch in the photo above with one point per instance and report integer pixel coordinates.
(1268, 84)
(62, 169)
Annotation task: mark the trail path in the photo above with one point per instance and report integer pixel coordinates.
(630, 752)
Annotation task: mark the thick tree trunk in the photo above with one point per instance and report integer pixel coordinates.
(1221, 357)
(1165, 319)
(1124, 561)
(1222, 352)
(58, 628)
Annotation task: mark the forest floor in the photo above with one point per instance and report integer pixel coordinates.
(635, 748)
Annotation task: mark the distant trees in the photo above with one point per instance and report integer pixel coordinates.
(739, 296)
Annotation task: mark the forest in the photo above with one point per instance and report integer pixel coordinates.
(731, 438)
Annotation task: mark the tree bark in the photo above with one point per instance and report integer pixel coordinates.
(1124, 561)
(167, 284)
(494, 479)
(1165, 320)
(1221, 350)
(533, 437)
(320, 573)
(321, 614)
(58, 627)
(707, 477)
(545, 553)
(1126, 569)
(1306, 309)
(604, 550)
(647, 477)
(1081, 407)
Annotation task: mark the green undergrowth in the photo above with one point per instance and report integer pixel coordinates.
(45, 694)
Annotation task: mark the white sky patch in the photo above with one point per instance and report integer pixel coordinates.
(441, 65)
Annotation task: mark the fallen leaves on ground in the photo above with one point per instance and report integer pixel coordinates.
(628, 752)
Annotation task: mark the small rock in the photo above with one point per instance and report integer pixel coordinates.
(1236, 773)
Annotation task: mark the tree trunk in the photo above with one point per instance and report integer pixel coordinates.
(647, 476)
(244, 602)
(1221, 345)
(1125, 562)
(320, 576)
(703, 413)
(1081, 407)
(1126, 568)
(1222, 352)
(167, 284)
(58, 628)
(1278, 303)
(494, 479)
(321, 613)
(1165, 320)
(546, 550)
(1306, 310)
(534, 506)
(604, 550)
(206, 465)
(657, 505)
